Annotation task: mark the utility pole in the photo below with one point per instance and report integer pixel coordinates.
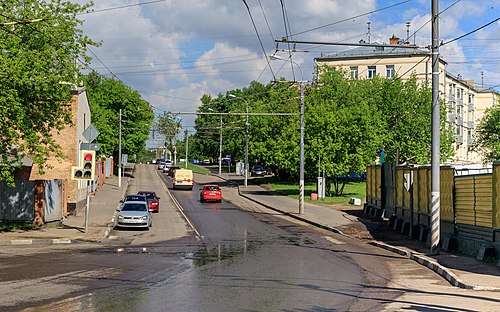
(436, 139)
(187, 145)
(301, 172)
(120, 152)
(220, 147)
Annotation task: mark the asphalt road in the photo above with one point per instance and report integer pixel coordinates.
(230, 256)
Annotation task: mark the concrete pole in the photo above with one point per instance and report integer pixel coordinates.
(120, 152)
(220, 147)
(187, 146)
(246, 148)
(301, 173)
(436, 139)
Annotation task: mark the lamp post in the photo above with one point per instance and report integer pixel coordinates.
(301, 170)
(246, 138)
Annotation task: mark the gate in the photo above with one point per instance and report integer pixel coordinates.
(17, 203)
(54, 200)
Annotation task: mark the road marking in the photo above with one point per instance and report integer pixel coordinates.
(22, 242)
(333, 240)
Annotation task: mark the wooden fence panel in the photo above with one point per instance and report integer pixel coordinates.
(446, 189)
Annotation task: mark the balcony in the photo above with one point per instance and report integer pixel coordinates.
(470, 124)
(452, 98)
(459, 139)
(470, 107)
(452, 118)
(460, 121)
(460, 101)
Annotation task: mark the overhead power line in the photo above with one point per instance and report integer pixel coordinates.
(471, 32)
(122, 7)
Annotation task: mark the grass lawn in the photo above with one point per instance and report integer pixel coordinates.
(14, 226)
(291, 189)
(195, 168)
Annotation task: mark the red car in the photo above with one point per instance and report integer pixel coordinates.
(210, 192)
(153, 200)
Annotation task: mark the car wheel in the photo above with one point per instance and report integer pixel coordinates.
(201, 200)
(219, 201)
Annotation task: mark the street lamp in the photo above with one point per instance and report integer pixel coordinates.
(301, 170)
(246, 138)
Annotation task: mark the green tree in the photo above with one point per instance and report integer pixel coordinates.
(106, 97)
(488, 134)
(40, 42)
(169, 126)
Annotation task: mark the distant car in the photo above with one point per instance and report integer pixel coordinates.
(134, 214)
(206, 161)
(135, 197)
(258, 170)
(161, 165)
(153, 200)
(171, 170)
(210, 192)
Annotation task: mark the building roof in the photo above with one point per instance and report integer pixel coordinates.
(378, 51)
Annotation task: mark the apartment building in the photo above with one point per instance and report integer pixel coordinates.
(466, 103)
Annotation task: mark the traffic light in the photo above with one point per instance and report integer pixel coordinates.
(86, 169)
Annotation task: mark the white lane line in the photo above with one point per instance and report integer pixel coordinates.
(333, 240)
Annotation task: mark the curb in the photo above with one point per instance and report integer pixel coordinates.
(443, 271)
(36, 241)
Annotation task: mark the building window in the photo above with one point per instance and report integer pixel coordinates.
(389, 71)
(372, 71)
(354, 72)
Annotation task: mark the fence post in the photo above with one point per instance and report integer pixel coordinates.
(496, 200)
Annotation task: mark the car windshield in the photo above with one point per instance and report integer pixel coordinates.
(134, 207)
(148, 195)
(258, 168)
(211, 188)
(134, 198)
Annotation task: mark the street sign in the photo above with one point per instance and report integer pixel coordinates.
(90, 133)
(90, 146)
(124, 159)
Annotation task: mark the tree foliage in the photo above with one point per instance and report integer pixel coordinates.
(39, 43)
(488, 134)
(347, 124)
(106, 97)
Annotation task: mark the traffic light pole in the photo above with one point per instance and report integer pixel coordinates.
(87, 206)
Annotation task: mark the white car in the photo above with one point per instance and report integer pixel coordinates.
(134, 214)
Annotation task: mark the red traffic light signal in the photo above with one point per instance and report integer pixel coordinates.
(86, 169)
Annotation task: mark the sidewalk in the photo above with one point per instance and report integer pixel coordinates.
(72, 228)
(459, 270)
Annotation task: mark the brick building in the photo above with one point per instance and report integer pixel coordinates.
(70, 139)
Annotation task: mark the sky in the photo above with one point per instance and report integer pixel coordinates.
(175, 51)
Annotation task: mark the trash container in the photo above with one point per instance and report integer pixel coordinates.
(314, 196)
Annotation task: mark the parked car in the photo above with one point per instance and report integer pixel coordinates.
(134, 214)
(135, 197)
(210, 192)
(153, 200)
(258, 170)
(183, 178)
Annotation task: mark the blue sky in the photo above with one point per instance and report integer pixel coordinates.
(173, 52)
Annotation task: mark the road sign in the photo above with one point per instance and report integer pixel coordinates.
(90, 133)
(90, 146)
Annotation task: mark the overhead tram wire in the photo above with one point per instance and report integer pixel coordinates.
(265, 18)
(470, 32)
(286, 23)
(113, 74)
(351, 18)
(260, 41)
